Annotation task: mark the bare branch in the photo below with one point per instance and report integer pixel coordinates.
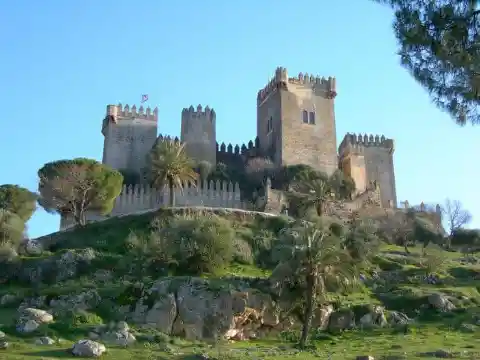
(455, 216)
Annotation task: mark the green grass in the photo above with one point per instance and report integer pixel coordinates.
(434, 331)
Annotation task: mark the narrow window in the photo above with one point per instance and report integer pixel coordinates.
(312, 118)
(305, 116)
(269, 124)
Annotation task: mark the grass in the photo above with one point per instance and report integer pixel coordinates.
(406, 293)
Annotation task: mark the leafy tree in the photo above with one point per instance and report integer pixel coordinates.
(342, 185)
(79, 185)
(170, 166)
(18, 200)
(289, 174)
(469, 238)
(130, 177)
(439, 47)
(258, 169)
(220, 172)
(204, 169)
(361, 240)
(311, 254)
(12, 228)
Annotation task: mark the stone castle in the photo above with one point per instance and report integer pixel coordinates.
(295, 125)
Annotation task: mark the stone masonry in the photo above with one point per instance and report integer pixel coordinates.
(295, 125)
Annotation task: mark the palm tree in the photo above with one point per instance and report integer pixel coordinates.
(313, 190)
(312, 255)
(170, 166)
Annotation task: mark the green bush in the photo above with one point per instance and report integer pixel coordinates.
(243, 253)
(385, 264)
(200, 245)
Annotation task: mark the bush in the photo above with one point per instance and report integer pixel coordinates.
(200, 245)
(243, 253)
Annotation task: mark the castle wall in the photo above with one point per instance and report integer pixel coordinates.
(142, 198)
(281, 107)
(377, 152)
(198, 131)
(129, 136)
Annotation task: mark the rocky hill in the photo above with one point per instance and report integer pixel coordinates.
(115, 288)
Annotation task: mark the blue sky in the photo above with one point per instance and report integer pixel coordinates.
(64, 61)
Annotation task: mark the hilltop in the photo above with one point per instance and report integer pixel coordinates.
(104, 281)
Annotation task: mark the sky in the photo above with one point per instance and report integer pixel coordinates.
(62, 62)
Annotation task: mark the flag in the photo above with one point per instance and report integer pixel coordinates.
(144, 98)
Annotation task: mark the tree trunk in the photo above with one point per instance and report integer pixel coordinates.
(171, 194)
(319, 208)
(405, 245)
(308, 309)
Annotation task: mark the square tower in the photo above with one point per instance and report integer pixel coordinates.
(198, 132)
(296, 121)
(129, 136)
(368, 158)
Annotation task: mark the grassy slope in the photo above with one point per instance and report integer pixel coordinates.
(433, 331)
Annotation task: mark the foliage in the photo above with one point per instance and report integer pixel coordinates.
(313, 190)
(12, 228)
(439, 47)
(361, 241)
(200, 245)
(258, 169)
(18, 200)
(170, 166)
(311, 254)
(130, 177)
(78, 185)
(342, 184)
(466, 237)
(433, 263)
(204, 169)
(289, 174)
(243, 253)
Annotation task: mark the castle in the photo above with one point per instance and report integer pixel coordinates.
(295, 125)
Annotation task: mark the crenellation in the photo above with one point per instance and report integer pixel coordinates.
(127, 112)
(357, 142)
(295, 125)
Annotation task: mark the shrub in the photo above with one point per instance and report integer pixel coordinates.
(200, 245)
(243, 253)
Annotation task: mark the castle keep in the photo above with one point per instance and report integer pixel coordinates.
(295, 125)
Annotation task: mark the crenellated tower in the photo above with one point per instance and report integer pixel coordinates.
(368, 158)
(296, 120)
(199, 134)
(129, 135)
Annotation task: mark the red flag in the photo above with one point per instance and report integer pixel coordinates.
(144, 98)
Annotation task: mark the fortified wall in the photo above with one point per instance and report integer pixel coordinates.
(142, 198)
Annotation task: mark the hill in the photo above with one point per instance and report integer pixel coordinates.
(125, 284)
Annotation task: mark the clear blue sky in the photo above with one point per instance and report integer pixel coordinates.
(63, 61)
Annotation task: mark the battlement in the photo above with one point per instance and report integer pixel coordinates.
(236, 149)
(168, 138)
(282, 80)
(207, 113)
(114, 112)
(356, 143)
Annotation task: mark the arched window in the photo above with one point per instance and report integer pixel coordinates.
(305, 116)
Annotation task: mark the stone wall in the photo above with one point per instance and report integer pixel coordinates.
(142, 198)
(285, 134)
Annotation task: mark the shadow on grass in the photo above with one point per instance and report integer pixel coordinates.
(464, 273)
(54, 353)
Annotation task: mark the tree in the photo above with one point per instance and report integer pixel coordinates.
(12, 228)
(311, 254)
(455, 217)
(204, 169)
(403, 228)
(318, 190)
(18, 200)
(258, 169)
(439, 47)
(170, 166)
(79, 185)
